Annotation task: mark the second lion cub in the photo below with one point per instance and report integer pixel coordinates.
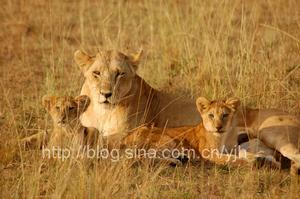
(206, 137)
(67, 128)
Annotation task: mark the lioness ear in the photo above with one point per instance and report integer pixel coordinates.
(136, 58)
(46, 101)
(83, 101)
(82, 60)
(233, 103)
(202, 104)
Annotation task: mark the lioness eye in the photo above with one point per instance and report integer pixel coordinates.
(71, 108)
(96, 74)
(57, 108)
(211, 116)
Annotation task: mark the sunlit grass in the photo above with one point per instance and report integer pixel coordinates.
(248, 49)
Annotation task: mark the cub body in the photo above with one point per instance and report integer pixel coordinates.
(67, 128)
(206, 137)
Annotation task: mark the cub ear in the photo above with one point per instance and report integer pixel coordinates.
(202, 104)
(46, 101)
(136, 58)
(83, 101)
(233, 103)
(83, 60)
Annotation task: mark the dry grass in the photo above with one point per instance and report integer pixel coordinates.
(215, 48)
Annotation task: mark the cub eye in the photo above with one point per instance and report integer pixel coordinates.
(71, 108)
(211, 116)
(96, 74)
(225, 115)
(57, 108)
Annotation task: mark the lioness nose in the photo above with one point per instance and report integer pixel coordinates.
(218, 127)
(106, 95)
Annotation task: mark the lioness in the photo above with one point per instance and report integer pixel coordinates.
(206, 137)
(121, 100)
(67, 128)
(277, 129)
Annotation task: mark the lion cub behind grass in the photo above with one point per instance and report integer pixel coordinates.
(205, 138)
(67, 128)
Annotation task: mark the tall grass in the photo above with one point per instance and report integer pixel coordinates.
(213, 48)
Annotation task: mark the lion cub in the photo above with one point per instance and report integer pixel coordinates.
(206, 137)
(67, 128)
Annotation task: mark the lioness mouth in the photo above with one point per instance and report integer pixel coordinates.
(106, 102)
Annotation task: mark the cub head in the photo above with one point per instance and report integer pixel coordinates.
(217, 115)
(109, 75)
(65, 110)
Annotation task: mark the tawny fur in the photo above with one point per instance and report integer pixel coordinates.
(67, 128)
(205, 138)
(277, 130)
(122, 101)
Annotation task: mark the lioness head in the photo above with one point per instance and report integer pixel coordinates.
(65, 110)
(108, 75)
(217, 115)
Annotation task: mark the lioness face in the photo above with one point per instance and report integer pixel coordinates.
(108, 75)
(217, 115)
(65, 110)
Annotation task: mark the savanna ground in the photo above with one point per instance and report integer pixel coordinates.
(214, 48)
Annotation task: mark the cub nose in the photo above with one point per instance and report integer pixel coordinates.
(218, 128)
(107, 94)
